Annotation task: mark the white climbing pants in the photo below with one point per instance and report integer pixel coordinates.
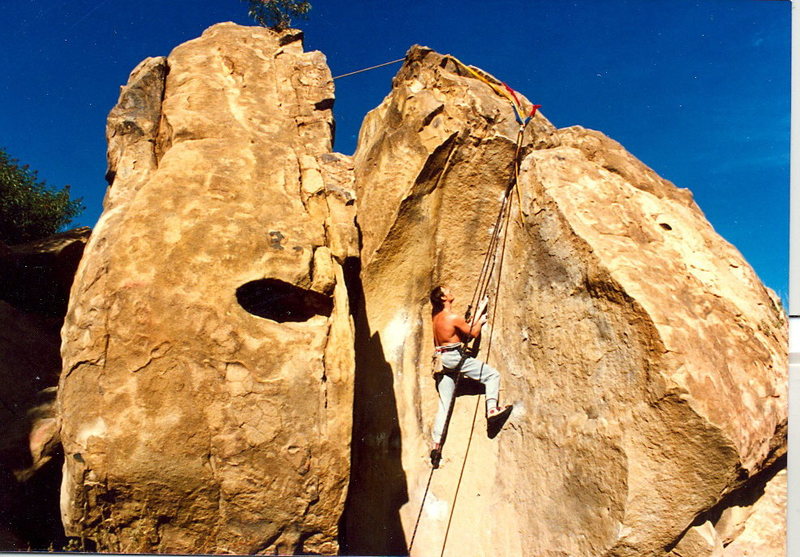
(472, 368)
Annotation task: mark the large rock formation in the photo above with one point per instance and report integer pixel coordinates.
(212, 378)
(761, 528)
(750, 522)
(208, 350)
(646, 361)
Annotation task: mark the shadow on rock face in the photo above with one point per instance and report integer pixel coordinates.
(37, 276)
(29, 511)
(30, 461)
(370, 524)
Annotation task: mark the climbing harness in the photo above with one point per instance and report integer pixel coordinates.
(502, 223)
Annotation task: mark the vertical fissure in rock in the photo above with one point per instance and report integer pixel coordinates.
(163, 136)
(370, 523)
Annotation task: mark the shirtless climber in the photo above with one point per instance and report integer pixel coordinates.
(450, 334)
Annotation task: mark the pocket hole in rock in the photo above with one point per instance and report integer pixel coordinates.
(280, 301)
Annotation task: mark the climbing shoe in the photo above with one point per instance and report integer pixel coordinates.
(499, 414)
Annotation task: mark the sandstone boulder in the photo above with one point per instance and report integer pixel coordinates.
(206, 391)
(212, 377)
(762, 532)
(750, 522)
(645, 360)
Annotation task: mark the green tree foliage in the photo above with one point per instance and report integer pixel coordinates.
(29, 208)
(277, 14)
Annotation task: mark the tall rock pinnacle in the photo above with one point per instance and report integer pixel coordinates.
(208, 350)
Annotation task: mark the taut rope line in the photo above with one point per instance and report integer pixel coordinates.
(370, 68)
(489, 254)
(488, 352)
(502, 223)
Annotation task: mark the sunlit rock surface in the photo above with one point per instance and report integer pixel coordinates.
(762, 530)
(207, 378)
(646, 361)
(213, 378)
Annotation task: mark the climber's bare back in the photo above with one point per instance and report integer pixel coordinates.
(448, 328)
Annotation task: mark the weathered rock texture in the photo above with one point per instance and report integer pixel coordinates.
(646, 361)
(758, 530)
(208, 351)
(212, 378)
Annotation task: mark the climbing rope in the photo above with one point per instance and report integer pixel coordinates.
(370, 68)
(416, 524)
(488, 352)
(505, 91)
(451, 406)
(502, 223)
(487, 268)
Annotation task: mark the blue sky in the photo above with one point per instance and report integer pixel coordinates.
(697, 89)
